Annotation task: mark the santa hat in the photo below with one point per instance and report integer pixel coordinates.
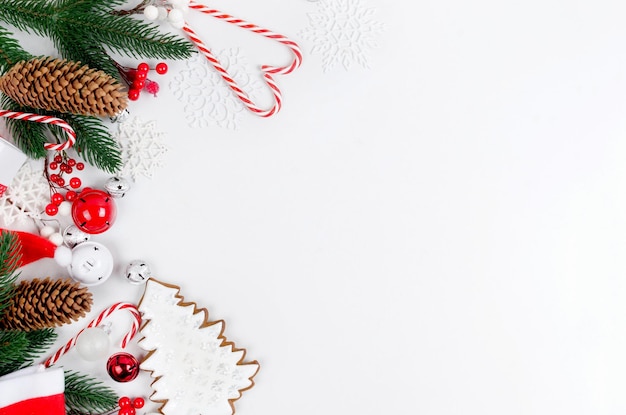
(34, 247)
(33, 391)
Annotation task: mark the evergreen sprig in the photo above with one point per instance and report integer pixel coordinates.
(19, 349)
(81, 29)
(84, 394)
(10, 254)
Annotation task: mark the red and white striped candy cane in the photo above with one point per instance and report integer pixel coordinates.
(136, 322)
(268, 71)
(45, 119)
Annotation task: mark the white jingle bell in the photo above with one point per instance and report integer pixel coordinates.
(92, 263)
(138, 272)
(73, 236)
(93, 344)
(117, 187)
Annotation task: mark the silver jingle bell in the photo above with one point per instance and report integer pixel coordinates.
(73, 236)
(117, 187)
(138, 272)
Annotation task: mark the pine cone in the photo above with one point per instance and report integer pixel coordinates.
(46, 303)
(65, 86)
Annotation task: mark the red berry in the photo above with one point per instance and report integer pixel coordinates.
(75, 182)
(58, 158)
(80, 166)
(71, 162)
(52, 209)
(54, 177)
(60, 181)
(141, 75)
(143, 67)
(133, 94)
(124, 402)
(68, 169)
(138, 403)
(138, 84)
(152, 87)
(57, 198)
(53, 165)
(161, 68)
(71, 195)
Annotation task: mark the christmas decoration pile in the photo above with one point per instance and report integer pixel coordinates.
(58, 109)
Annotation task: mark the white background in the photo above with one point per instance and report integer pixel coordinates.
(440, 233)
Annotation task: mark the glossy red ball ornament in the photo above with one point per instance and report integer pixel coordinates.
(123, 367)
(94, 211)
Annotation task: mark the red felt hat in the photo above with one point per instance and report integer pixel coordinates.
(34, 390)
(35, 247)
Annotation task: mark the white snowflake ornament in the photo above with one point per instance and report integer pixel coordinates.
(343, 32)
(207, 100)
(142, 146)
(196, 370)
(27, 196)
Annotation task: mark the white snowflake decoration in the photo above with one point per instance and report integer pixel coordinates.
(343, 31)
(197, 370)
(27, 195)
(142, 146)
(208, 100)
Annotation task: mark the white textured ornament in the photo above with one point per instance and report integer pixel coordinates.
(93, 344)
(151, 12)
(196, 369)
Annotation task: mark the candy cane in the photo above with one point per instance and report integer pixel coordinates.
(268, 71)
(96, 322)
(45, 119)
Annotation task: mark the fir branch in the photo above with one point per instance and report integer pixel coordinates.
(10, 52)
(10, 254)
(19, 349)
(94, 142)
(31, 16)
(87, 395)
(94, 57)
(30, 137)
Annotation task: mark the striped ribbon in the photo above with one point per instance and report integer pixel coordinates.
(267, 70)
(136, 322)
(45, 119)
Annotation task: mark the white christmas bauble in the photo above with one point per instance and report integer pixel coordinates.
(92, 344)
(151, 12)
(92, 263)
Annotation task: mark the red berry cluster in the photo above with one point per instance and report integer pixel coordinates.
(128, 406)
(138, 80)
(61, 164)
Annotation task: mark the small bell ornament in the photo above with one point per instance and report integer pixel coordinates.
(138, 272)
(73, 236)
(117, 187)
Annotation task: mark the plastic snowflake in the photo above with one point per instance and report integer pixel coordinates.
(343, 31)
(27, 195)
(208, 100)
(142, 148)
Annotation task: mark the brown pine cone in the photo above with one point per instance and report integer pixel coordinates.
(46, 303)
(65, 86)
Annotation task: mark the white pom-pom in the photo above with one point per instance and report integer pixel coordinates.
(176, 18)
(46, 231)
(162, 13)
(63, 256)
(65, 208)
(56, 238)
(151, 12)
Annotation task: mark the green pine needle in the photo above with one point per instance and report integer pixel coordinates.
(87, 395)
(19, 349)
(10, 254)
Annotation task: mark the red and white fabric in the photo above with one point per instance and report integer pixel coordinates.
(33, 391)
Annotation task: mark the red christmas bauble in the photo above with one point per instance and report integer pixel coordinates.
(94, 211)
(123, 367)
